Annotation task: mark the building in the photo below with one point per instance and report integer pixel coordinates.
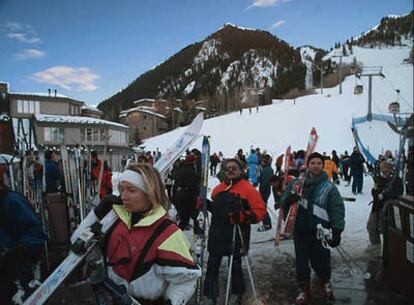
(144, 122)
(50, 120)
(91, 112)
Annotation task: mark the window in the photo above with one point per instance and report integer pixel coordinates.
(103, 135)
(89, 135)
(53, 134)
(28, 106)
(31, 107)
(95, 135)
(82, 134)
(19, 106)
(25, 106)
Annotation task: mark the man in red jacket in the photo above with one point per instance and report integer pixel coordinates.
(236, 203)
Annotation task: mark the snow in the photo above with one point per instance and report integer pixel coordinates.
(68, 119)
(188, 72)
(262, 70)
(236, 26)
(308, 56)
(145, 109)
(189, 88)
(207, 50)
(52, 94)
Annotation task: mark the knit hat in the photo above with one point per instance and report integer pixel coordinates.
(316, 155)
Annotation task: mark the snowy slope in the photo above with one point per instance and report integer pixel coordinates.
(286, 122)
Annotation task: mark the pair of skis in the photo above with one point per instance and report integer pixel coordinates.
(86, 240)
(200, 236)
(287, 228)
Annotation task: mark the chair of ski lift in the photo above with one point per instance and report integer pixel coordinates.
(353, 69)
(358, 89)
(394, 107)
(334, 66)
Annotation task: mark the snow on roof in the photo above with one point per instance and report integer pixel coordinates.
(148, 100)
(144, 109)
(52, 94)
(94, 109)
(68, 119)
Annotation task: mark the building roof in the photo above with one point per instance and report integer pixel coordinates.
(69, 119)
(143, 100)
(142, 109)
(44, 95)
(93, 109)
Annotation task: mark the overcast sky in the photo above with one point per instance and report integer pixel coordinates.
(90, 49)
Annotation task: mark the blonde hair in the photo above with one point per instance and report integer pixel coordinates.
(156, 190)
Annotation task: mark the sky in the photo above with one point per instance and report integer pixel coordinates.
(89, 50)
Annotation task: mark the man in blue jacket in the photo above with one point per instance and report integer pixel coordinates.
(52, 172)
(320, 203)
(21, 240)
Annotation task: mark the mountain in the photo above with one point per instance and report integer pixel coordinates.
(220, 68)
(391, 31)
(217, 69)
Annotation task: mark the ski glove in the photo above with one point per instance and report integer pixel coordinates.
(292, 198)
(106, 204)
(336, 238)
(238, 217)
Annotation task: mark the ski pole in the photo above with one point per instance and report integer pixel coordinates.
(230, 267)
(249, 271)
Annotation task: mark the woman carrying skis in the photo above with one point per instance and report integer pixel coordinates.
(236, 204)
(320, 203)
(147, 253)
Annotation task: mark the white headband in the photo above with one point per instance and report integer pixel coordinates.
(135, 179)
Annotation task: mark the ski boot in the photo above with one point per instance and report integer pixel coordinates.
(327, 292)
(303, 295)
(208, 301)
(235, 299)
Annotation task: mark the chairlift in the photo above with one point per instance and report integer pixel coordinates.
(353, 69)
(358, 89)
(394, 107)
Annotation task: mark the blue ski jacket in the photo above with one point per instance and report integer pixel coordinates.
(18, 224)
(252, 162)
(321, 203)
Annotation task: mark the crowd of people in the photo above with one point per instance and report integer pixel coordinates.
(149, 254)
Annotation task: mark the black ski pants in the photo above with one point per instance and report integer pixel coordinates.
(309, 249)
(357, 182)
(211, 282)
(267, 222)
(7, 290)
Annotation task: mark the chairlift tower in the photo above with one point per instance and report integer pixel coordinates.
(340, 69)
(322, 67)
(370, 72)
